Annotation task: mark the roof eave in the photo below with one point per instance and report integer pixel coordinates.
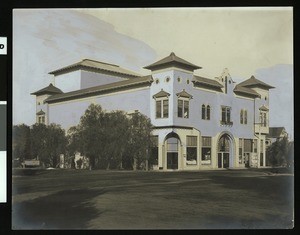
(248, 94)
(80, 66)
(91, 93)
(170, 64)
(208, 84)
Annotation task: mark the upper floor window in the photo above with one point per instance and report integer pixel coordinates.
(205, 112)
(183, 107)
(226, 115)
(263, 118)
(243, 116)
(162, 108)
(161, 104)
(41, 119)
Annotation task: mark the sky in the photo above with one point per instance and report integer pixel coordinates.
(247, 41)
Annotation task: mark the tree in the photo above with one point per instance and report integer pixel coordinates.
(21, 142)
(47, 143)
(280, 153)
(91, 131)
(74, 140)
(117, 130)
(110, 139)
(139, 141)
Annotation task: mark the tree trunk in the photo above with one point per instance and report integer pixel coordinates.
(92, 162)
(108, 165)
(134, 164)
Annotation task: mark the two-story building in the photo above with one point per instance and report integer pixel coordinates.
(199, 123)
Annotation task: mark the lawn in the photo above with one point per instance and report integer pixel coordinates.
(82, 199)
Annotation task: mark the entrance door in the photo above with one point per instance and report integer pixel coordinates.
(223, 160)
(220, 160)
(172, 160)
(223, 152)
(172, 151)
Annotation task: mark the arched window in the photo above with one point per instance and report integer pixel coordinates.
(203, 112)
(241, 117)
(208, 112)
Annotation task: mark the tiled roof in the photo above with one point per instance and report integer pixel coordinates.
(161, 93)
(41, 112)
(206, 81)
(263, 108)
(48, 90)
(253, 82)
(275, 132)
(245, 91)
(96, 66)
(91, 91)
(172, 59)
(183, 93)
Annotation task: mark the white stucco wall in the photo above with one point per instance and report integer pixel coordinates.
(90, 79)
(68, 113)
(68, 81)
(201, 96)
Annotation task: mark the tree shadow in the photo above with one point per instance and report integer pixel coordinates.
(68, 209)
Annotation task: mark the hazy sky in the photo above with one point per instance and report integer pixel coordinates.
(247, 41)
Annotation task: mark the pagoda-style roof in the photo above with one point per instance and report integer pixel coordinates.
(245, 91)
(41, 112)
(172, 60)
(253, 82)
(184, 94)
(95, 66)
(263, 108)
(48, 90)
(161, 93)
(102, 89)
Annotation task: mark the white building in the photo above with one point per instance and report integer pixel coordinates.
(200, 123)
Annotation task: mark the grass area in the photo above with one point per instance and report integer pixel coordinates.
(82, 199)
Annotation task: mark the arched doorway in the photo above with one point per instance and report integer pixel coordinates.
(172, 149)
(224, 151)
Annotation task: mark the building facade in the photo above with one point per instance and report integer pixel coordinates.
(199, 123)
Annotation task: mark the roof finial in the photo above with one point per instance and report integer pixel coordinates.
(172, 54)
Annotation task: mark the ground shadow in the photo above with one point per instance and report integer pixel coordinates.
(68, 209)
